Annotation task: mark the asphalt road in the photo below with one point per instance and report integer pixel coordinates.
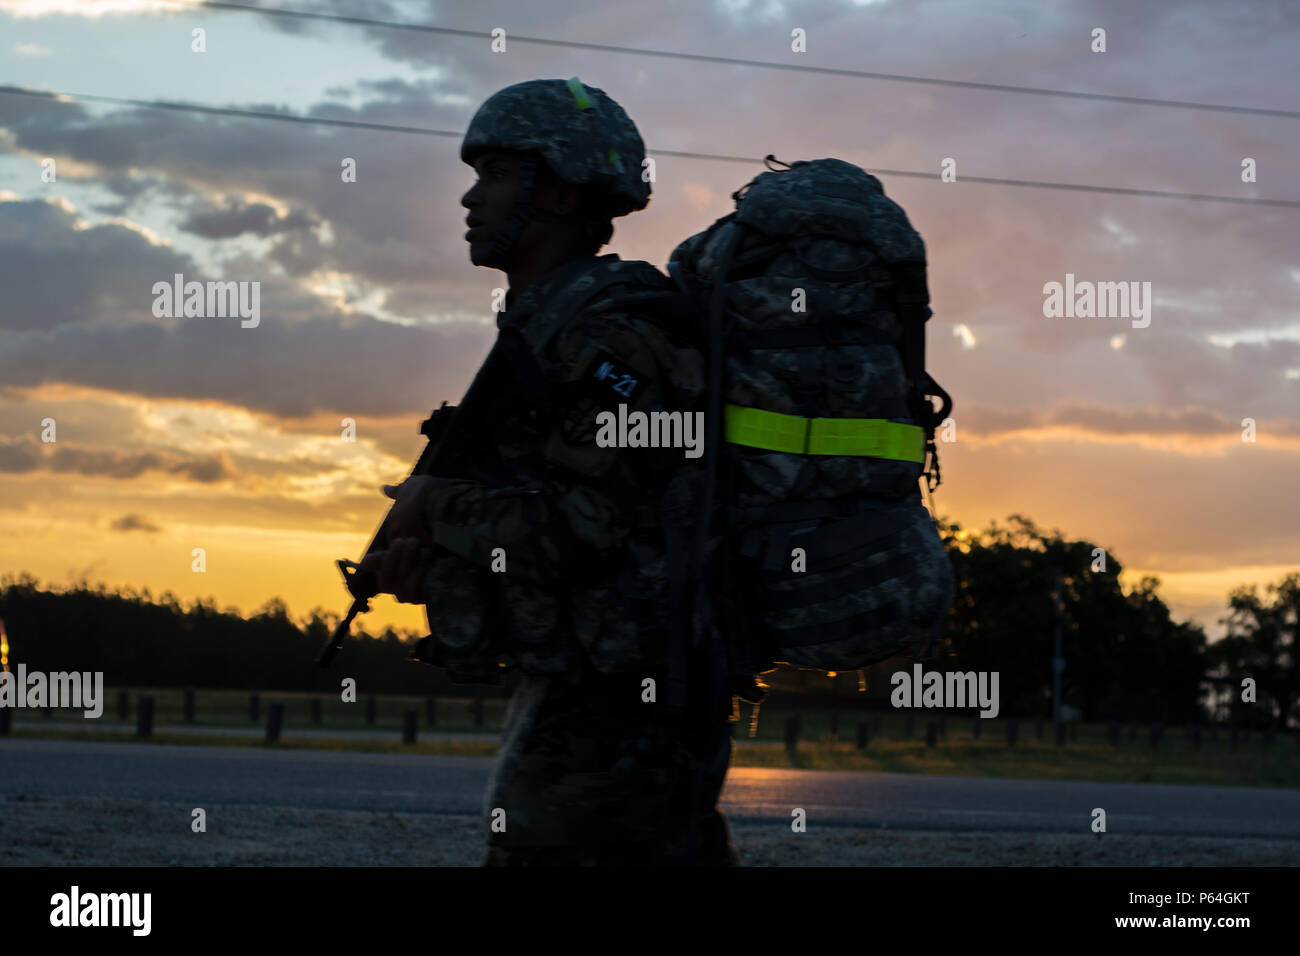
(204, 776)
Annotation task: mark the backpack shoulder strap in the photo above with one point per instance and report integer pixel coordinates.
(564, 307)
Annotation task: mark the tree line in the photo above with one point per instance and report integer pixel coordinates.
(1125, 657)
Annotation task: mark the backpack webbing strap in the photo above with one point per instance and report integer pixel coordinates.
(809, 595)
(540, 329)
(682, 640)
(525, 367)
(808, 336)
(873, 620)
(678, 556)
(786, 511)
(842, 542)
(862, 437)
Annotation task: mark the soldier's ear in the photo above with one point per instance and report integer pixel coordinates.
(567, 198)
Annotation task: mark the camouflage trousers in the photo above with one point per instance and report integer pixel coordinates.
(583, 778)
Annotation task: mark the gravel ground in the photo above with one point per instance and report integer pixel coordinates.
(40, 831)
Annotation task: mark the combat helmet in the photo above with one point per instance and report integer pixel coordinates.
(583, 136)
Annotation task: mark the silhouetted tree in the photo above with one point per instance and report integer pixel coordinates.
(1262, 643)
(1125, 659)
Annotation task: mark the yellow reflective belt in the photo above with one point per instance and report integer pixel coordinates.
(867, 437)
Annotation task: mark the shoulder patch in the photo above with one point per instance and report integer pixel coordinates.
(606, 377)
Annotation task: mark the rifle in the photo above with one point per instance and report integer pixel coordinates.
(445, 428)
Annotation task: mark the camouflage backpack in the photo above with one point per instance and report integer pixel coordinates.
(812, 541)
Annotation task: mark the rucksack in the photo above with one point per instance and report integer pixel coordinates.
(811, 544)
(801, 537)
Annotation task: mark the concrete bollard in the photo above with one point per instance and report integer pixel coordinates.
(792, 733)
(144, 723)
(274, 721)
(410, 720)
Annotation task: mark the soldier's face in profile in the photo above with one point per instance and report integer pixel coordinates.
(490, 200)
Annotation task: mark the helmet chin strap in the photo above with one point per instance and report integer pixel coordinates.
(524, 212)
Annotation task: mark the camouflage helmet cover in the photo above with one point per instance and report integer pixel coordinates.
(584, 136)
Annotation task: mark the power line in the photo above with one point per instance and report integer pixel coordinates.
(680, 154)
(734, 61)
(226, 111)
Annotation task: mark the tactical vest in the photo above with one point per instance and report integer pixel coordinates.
(617, 623)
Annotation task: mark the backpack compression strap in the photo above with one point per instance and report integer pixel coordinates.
(865, 437)
(912, 296)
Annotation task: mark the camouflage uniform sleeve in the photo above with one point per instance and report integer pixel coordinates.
(569, 522)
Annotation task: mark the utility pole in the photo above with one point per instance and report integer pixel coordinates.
(1058, 662)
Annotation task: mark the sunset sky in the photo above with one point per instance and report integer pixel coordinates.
(175, 434)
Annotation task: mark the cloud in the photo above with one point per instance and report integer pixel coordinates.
(27, 455)
(360, 367)
(72, 293)
(133, 522)
(236, 217)
(56, 273)
(1104, 422)
(92, 9)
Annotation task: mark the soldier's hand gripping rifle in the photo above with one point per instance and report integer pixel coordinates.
(446, 430)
